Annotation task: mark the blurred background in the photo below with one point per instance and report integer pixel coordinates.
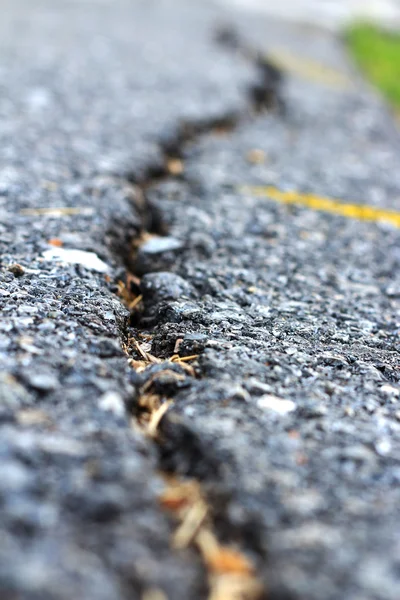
(369, 28)
(330, 13)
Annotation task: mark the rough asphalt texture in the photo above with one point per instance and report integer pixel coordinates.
(277, 301)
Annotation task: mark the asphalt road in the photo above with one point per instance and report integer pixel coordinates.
(144, 135)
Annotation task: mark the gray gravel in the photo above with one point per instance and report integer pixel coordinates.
(281, 304)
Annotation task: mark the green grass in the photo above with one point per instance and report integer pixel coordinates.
(377, 53)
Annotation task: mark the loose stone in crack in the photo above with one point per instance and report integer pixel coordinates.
(161, 292)
(157, 254)
(164, 286)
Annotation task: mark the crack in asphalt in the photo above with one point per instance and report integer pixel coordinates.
(184, 459)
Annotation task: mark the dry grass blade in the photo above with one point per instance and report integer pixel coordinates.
(228, 560)
(130, 300)
(188, 488)
(156, 417)
(188, 368)
(231, 574)
(149, 403)
(138, 365)
(191, 525)
(173, 499)
(132, 305)
(231, 587)
(145, 355)
(182, 359)
(124, 293)
(140, 351)
(153, 359)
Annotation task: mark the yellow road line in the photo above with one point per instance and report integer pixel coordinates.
(350, 211)
(308, 69)
(57, 211)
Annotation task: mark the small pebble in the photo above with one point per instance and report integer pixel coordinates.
(278, 405)
(17, 269)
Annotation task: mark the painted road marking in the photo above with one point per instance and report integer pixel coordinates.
(361, 212)
(308, 69)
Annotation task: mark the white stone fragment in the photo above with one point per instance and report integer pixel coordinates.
(279, 405)
(389, 390)
(54, 444)
(112, 402)
(383, 447)
(89, 260)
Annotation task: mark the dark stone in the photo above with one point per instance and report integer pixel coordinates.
(157, 254)
(159, 287)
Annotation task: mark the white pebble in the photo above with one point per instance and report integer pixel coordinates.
(90, 260)
(112, 402)
(279, 405)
